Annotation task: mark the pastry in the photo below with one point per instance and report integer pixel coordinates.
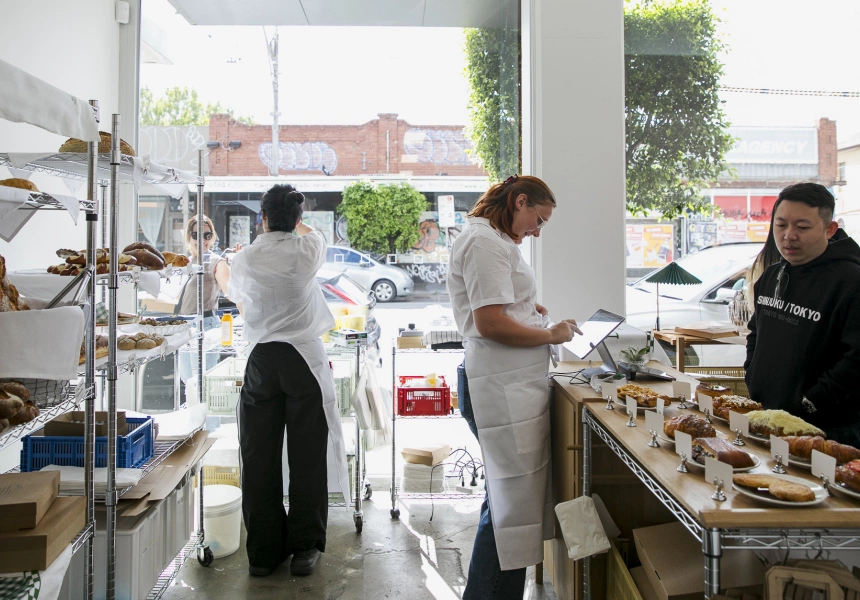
(175, 260)
(146, 344)
(739, 404)
(10, 300)
(849, 475)
(17, 182)
(778, 488)
(695, 426)
(79, 258)
(780, 423)
(146, 259)
(80, 146)
(9, 405)
(64, 252)
(25, 414)
(102, 269)
(144, 246)
(126, 342)
(16, 388)
(721, 450)
(802, 446)
(643, 396)
(755, 480)
(714, 391)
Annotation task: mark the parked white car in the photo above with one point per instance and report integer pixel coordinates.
(721, 270)
(386, 283)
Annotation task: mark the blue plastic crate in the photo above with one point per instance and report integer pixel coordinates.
(132, 450)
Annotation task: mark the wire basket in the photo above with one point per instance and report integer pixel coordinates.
(45, 393)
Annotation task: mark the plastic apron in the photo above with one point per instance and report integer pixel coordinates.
(510, 399)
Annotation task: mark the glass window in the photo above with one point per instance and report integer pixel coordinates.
(352, 257)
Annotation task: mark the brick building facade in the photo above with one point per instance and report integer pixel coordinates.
(386, 145)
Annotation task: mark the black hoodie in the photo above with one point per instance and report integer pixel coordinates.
(804, 340)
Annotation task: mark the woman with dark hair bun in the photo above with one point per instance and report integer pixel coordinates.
(288, 383)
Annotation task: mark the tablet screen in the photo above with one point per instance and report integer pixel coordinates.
(601, 324)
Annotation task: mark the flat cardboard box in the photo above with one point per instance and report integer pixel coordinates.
(640, 578)
(708, 330)
(71, 424)
(157, 306)
(672, 559)
(406, 341)
(26, 497)
(429, 455)
(35, 549)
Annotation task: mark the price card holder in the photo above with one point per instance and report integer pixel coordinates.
(706, 403)
(684, 444)
(609, 388)
(739, 421)
(632, 407)
(718, 474)
(779, 446)
(682, 388)
(661, 406)
(823, 466)
(654, 421)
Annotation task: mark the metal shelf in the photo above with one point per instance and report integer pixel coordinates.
(73, 399)
(82, 537)
(169, 573)
(42, 201)
(70, 165)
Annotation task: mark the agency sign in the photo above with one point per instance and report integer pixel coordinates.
(774, 145)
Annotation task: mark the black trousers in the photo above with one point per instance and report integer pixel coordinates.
(280, 390)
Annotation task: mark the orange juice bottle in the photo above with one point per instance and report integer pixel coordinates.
(226, 329)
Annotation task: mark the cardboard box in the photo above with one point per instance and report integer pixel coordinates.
(72, 424)
(672, 559)
(157, 306)
(426, 455)
(409, 341)
(26, 497)
(35, 549)
(640, 578)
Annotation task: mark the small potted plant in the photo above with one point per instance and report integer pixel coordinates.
(634, 358)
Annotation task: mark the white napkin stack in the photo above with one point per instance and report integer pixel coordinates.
(41, 344)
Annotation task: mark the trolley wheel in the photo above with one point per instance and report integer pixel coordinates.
(207, 557)
(358, 523)
(368, 491)
(395, 513)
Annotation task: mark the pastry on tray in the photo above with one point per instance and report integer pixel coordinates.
(802, 446)
(644, 396)
(692, 425)
(722, 451)
(778, 422)
(849, 475)
(80, 146)
(713, 390)
(739, 404)
(176, 260)
(778, 488)
(17, 182)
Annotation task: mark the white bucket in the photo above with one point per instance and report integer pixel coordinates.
(222, 518)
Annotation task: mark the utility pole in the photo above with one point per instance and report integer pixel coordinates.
(276, 149)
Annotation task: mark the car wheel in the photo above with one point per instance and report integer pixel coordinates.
(384, 291)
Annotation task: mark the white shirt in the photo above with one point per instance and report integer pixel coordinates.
(275, 281)
(486, 268)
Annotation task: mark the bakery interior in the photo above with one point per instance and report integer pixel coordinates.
(697, 489)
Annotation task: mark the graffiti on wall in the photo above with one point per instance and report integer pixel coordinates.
(294, 156)
(433, 273)
(322, 221)
(173, 146)
(438, 146)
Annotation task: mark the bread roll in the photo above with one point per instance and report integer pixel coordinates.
(17, 182)
(146, 259)
(144, 246)
(27, 413)
(146, 344)
(126, 343)
(79, 146)
(76, 259)
(15, 388)
(9, 405)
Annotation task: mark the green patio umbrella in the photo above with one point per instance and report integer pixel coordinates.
(672, 274)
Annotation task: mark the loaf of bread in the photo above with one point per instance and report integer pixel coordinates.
(722, 451)
(780, 423)
(10, 404)
(144, 246)
(10, 299)
(79, 146)
(692, 425)
(16, 388)
(739, 404)
(17, 182)
(802, 446)
(146, 259)
(25, 414)
(849, 475)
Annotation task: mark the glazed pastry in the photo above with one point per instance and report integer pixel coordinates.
(738, 404)
(849, 475)
(802, 446)
(695, 426)
(780, 423)
(721, 450)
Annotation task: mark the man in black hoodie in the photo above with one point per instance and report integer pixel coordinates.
(803, 350)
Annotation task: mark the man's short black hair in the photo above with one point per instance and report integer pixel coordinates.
(811, 194)
(283, 205)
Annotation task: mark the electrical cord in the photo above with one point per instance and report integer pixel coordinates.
(474, 466)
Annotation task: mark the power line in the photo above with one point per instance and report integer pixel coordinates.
(776, 92)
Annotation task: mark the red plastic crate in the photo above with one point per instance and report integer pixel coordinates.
(415, 401)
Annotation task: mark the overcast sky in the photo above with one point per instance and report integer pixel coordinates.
(343, 75)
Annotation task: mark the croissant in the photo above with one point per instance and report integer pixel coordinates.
(695, 426)
(802, 446)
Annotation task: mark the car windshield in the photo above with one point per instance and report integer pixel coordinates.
(711, 265)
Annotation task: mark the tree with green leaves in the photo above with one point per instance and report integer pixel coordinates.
(180, 106)
(677, 134)
(382, 219)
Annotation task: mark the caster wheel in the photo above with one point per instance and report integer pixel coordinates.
(358, 524)
(368, 492)
(395, 513)
(207, 557)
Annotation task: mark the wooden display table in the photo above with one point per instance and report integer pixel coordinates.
(738, 522)
(682, 340)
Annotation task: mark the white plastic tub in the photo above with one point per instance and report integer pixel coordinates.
(222, 518)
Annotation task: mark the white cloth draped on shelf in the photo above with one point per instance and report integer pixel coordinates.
(41, 344)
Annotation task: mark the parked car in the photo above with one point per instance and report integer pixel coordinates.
(722, 270)
(386, 283)
(340, 289)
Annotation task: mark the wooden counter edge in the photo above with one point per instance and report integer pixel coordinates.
(806, 518)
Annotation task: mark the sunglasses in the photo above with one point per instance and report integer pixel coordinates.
(541, 220)
(207, 235)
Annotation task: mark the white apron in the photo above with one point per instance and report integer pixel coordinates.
(509, 390)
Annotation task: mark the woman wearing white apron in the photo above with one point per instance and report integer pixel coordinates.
(288, 383)
(507, 357)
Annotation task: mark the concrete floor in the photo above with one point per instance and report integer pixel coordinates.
(412, 558)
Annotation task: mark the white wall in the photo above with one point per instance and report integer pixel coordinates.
(576, 109)
(848, 196)
(72, 45)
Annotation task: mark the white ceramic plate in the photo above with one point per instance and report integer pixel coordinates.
(163, 330)
(756, 464)
(758, 438)
(665, 438)
(844, 491)
(639, 406)
(799, 462)
(764, 495)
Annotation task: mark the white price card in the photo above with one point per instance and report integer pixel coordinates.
(661, 406)
(779, 446)
(739, 421)
(682, 388)
(631, 406)
(684, 444)
(822, 464)
(609, 388)
(720, 471)
(654, 421)
(706, 403)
